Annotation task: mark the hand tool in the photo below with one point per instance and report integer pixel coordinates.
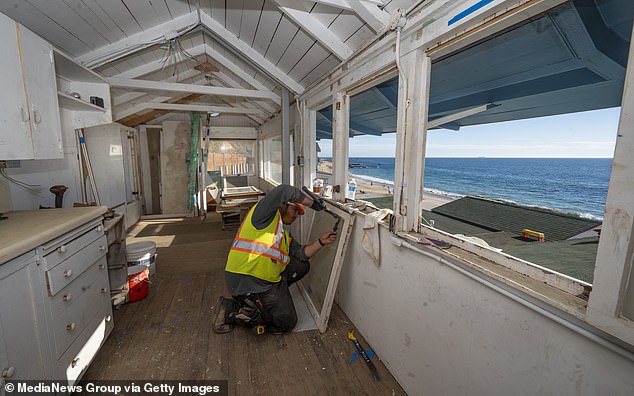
(317, 198)
(364, 355)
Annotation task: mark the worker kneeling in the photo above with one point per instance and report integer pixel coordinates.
(264, 261)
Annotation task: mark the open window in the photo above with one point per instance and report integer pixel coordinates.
(272, 159)
(371, 144)
(533, 189)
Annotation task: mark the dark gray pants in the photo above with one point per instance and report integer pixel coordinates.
(277, 300)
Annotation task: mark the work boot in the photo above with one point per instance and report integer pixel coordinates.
(223, 315)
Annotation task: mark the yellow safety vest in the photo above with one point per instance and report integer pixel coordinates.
(260, 253)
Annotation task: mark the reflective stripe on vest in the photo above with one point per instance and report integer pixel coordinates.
(261, 249)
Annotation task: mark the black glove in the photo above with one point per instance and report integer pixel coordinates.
(318, 205)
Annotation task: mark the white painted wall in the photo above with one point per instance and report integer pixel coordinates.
(273, 127)
(442, 333)
(46, 173)
(108, 170)
(230, 133)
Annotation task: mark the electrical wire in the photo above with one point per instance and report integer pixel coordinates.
(133, 47)
(25, 186)
(175, 54)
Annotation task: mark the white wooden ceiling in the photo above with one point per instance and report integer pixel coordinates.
(255, 47)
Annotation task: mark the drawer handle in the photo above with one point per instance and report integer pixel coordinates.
(25, 115)
(108, 318)
(67, 297)
(68, 273)
(102, 248)
(8, 372)
(104, 290)
(101, 266)
(74, 363)
(70, 326)
(99, 229)
(62, 249)
(37, 117)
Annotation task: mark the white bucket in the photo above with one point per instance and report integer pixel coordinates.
(141, 254)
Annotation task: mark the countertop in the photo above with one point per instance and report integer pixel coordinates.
(25, 230)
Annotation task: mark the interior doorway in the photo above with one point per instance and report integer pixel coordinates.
(153, 199)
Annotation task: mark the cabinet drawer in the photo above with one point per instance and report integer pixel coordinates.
(60, 249)
(72, 321)
(95, 276)
(72, 365)
(73, 266)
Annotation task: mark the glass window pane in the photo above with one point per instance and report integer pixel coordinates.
(231, 157)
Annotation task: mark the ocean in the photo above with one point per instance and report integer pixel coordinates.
(572, 185)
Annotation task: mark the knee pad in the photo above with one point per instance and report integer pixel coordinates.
(285, 323)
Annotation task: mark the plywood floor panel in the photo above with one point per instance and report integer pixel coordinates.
(168, 335)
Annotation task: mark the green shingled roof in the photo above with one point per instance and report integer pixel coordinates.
(503, 216)
(574, 257)
(451, 225)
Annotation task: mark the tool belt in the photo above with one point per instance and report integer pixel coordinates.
(251, 312)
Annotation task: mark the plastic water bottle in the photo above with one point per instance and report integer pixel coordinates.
(352, 189)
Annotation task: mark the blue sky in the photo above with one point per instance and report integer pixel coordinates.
(586, 134)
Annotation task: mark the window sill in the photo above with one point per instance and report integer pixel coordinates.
(272, 182)
(556, 290)
(511, 278)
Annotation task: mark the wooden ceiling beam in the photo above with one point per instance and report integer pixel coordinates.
(314, 28)
(187, 88)
(135, 120)
(376, 18)
(202, 108)
(265, 66)
(139, 41)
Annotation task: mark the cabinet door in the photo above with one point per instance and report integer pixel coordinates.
(22, 319)
(15, 130)
(41, 90)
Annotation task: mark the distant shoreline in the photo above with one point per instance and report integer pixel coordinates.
(374, 187)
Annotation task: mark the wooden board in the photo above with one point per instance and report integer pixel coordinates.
(319, 285)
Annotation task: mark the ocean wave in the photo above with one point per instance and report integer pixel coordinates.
(372, 179)
(443, 193)
(452, 196)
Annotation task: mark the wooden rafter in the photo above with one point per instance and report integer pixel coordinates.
(266, 66)
(135, 120)
(313, 27)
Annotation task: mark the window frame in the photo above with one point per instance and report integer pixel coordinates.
(612, 270)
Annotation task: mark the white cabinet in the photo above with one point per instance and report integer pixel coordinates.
(22, 351)
(15, 132)
(77, 302)
(29, 110)
(76, 85)
(55, 305)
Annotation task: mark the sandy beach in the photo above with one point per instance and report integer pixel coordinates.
(371, 187)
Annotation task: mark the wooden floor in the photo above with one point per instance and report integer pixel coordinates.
(168, 335)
